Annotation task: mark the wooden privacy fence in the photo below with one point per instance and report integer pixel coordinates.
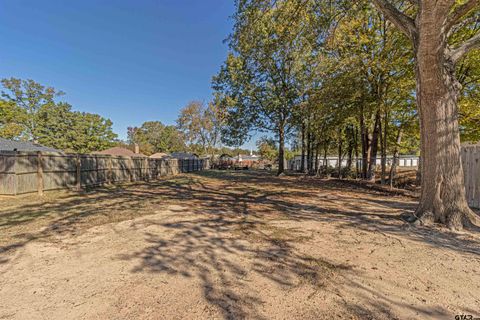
(471, 167)
(26, 172)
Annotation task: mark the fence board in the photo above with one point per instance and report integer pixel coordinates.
(19, 170)
(471, 167)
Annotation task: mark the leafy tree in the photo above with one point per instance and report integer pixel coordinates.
(93, 132)
(267, 148)
(431, 28)
(12, 120)
(153, 136)
(200, 125)
(31, 97)
(59, 127)
(265, 75)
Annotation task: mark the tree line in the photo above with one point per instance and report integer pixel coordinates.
(361, 79)
(30, 111)
(197, 130)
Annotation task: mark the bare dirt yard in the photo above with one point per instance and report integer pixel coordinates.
(231, 245)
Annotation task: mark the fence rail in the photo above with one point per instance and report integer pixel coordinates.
(471, 167)
(26, 172)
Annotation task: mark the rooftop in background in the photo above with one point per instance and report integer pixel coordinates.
(119, 151)
(10, 145)
(184, 155)
(160, 155)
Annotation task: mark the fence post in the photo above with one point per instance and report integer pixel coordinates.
(79, 173)
(39, 173)
(147, 173)
(110, 170)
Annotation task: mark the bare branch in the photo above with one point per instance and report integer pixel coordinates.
(472, 43)
(462, 10)
(475, 19)
(414, 2)
(403, 22)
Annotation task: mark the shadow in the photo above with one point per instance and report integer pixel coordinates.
(230, 240)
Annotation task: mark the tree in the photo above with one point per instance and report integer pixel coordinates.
(200, 125)
(267, 148)
(12, 120)
(31, 97)
(265, 76)
(154, 136)
(430, 30)
(93, 132)
(59, 127)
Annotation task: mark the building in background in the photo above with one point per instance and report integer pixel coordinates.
(23, 146)
(184, 155)
(120, 151)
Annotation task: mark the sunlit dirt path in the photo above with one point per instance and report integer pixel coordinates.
(230, 245)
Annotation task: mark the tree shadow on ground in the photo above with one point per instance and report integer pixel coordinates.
(232, 211)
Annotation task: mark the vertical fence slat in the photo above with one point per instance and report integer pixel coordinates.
(28, 172)
(39, 173)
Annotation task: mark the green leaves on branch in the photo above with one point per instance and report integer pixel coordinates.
(28, 111)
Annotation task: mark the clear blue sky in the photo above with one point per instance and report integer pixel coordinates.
(130, 61)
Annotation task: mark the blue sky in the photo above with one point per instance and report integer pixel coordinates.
(130, 61)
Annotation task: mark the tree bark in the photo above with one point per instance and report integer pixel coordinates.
(443, 197)
(302, 165)
(281, 150)
(340, 151)
(372, 163)
(383, 149)
(365, 144)
(393, 168)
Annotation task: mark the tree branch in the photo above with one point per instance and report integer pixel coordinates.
(403, 22)
(462, 10)
(472, 43)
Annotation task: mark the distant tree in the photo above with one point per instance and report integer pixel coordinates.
(31, 97)
(201, 125)
(59, 127)
(12, 120)
(154, 136)
(94, 132)
(267, 148)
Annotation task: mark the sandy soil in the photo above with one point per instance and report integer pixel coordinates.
(231, 245)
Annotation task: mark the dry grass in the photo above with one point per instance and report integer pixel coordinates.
(230, 245)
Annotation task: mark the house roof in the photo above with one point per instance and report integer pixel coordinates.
(119, 151)
(184, 155)
(160, 155)
(10, 145)
(248, 157)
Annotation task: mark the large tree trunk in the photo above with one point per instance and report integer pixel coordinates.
(443, 192)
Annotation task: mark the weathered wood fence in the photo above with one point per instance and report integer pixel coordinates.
(471, 167)
(26, 172)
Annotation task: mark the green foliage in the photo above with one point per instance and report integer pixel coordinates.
(30, 112)
(59, 127)
(12, 120)
(200, 126)
(31, 97)
(267, 148)
(154, 136)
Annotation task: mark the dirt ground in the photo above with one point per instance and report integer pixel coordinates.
(231, 245)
